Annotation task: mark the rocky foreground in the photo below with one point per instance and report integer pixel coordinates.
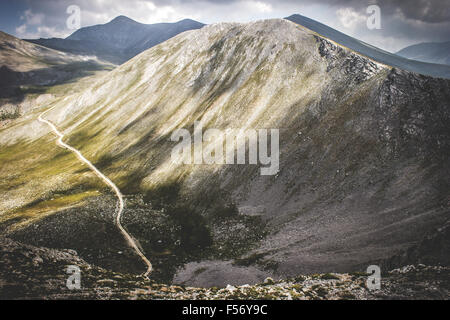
(29, 272)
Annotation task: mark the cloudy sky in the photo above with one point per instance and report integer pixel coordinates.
(403, 22)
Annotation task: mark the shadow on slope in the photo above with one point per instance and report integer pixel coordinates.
(15, 86)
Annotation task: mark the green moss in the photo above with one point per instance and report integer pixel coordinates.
(297, 287)
(9, 115)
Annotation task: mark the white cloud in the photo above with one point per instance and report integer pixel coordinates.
(40, 32)
(139, 10)
(32, 18)
(34, 27)
(349, 18)
(21, 30)
(262, 7)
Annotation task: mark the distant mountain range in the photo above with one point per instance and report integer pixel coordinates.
(119, 40)
(434, 70)
(432, 52)
(123, 38)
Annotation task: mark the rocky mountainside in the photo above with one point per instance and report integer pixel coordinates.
(364, 149)
(432, 52)
(119, 40)
(432, 68)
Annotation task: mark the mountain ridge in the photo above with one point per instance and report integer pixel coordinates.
(432, 52)
(379, 55)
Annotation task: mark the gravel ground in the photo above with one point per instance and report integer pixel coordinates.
(30, 272)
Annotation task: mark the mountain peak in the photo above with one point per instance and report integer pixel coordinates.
(123, 19)
(120, 39)
(187, 20)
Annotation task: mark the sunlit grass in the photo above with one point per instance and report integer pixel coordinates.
(23, 217)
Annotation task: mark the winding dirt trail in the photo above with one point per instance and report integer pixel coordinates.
(111, 184)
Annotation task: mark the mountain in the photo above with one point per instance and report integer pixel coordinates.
(27, 68)
(431, 69)
(119, 40)
(26, 63)
(432, 52)
(363, 171)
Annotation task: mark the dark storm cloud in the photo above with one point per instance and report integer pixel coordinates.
(431, 11)
(428, 11)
